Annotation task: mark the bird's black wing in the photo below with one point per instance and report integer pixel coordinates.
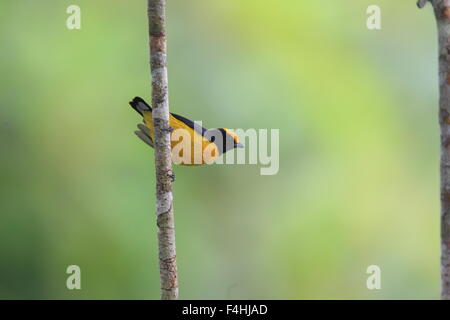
(190, 124)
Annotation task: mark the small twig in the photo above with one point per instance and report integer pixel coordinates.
(163, 160)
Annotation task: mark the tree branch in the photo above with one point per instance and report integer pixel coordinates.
(442, 14)
(163, 160)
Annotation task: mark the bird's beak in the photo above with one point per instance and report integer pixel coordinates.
(239, 145)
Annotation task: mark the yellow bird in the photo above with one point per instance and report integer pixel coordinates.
(204, 145)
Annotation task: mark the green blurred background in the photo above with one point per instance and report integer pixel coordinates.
(358, 179)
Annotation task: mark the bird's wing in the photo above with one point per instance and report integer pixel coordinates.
(190, 124)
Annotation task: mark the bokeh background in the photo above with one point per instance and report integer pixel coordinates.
(358, 179)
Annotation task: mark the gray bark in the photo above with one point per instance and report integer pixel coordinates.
(442, 14)
(163, 160)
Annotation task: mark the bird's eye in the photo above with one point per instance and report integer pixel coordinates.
(213, 139)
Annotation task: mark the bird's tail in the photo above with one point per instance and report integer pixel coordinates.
(140, 105)
(144, 134)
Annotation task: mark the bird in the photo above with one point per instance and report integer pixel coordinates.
(205, 145)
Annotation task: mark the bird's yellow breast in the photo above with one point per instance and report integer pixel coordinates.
(202, 151)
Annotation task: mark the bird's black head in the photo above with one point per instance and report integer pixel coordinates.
(224, 138)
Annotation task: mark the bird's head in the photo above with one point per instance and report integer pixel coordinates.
(228, 140)
(231, 136)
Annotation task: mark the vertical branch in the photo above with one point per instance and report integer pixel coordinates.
(442, 14)
(163, 160)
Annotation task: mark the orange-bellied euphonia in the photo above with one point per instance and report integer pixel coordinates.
(215, 141)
